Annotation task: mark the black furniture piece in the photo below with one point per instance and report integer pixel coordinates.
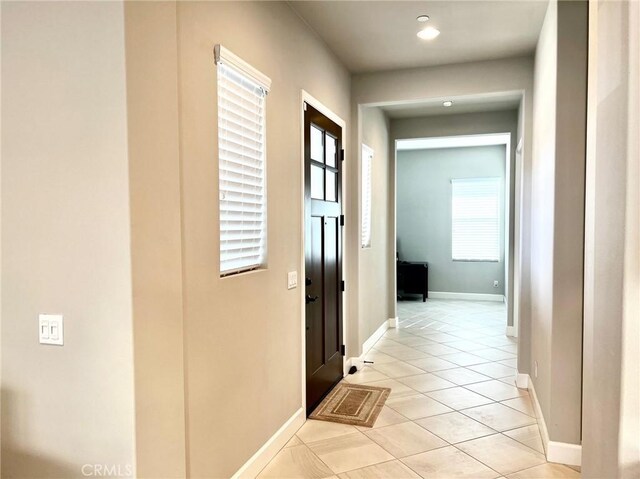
(413, 278)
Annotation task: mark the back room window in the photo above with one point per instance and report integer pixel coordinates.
(475, 219)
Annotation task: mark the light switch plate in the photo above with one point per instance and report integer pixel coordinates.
(292, 279)
(51, 329)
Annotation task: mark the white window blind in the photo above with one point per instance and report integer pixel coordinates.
(475, 219)
(367, 165)
(242, 165)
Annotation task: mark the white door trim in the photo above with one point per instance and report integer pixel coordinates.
(306, 97)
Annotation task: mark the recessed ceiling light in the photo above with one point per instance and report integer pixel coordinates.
(423, 18)
(428, 33)
(447, 103)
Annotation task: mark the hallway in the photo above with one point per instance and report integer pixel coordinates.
(453, 411)
(210, 208)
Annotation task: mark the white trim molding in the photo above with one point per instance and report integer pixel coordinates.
(564, 453)
(268, 451)
(483, 139)
(542, 425)
(393, 322)
(373, 339)
(224, 56)
(511, 332)
(468, 296)
(358, 361)
(522, 381)
(558, 452)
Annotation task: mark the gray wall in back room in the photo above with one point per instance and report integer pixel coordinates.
(424, 214)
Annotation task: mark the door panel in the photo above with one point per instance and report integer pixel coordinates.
(323, 255)
(331, 303)
(315, 334)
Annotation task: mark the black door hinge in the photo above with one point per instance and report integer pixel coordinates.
(341, 220)
(342, 350)
(341, 155)
(342, 285)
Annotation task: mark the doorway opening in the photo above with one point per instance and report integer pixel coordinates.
(454, 222)
(454, 273)
(454, 245)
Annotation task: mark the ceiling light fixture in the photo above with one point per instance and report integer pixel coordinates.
(428, 33)
(447, 103)
(423, 18)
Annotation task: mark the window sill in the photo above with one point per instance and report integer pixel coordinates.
(245, 272)
(475, 260)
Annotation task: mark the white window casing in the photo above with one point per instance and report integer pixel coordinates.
(367, 172)
(242, 94)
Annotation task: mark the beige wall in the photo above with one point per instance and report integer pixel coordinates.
(611, 414)
(629, 457)
(568, 222)
(65, 243)
(522, 241)
(557, 219)
(156, 246)
(243, 333)
(542, 195)
(374, 274)
(458, 124)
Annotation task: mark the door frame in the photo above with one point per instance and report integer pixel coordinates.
(306, 97)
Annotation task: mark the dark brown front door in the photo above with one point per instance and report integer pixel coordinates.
(323, 254)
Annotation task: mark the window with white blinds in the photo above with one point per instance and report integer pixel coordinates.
(242, 164)
(367, 165)
(475, 219)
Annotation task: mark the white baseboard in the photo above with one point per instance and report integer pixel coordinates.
(511, 331)
(564, 453)
(261, 458)
(373, 339)
(358, 361)
(393, 322)
(468, 296)
(522, 381)
(558, 452)
(542, 425)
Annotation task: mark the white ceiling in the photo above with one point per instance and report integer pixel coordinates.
(381, 35)
(468, 104)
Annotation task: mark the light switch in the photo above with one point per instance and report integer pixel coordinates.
(44, 329)
(51, 329)
(292, 279)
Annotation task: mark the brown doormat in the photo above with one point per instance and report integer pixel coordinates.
(352, 404)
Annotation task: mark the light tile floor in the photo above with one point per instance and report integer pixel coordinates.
(454, 410)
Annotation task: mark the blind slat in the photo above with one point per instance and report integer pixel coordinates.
(235, 174)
